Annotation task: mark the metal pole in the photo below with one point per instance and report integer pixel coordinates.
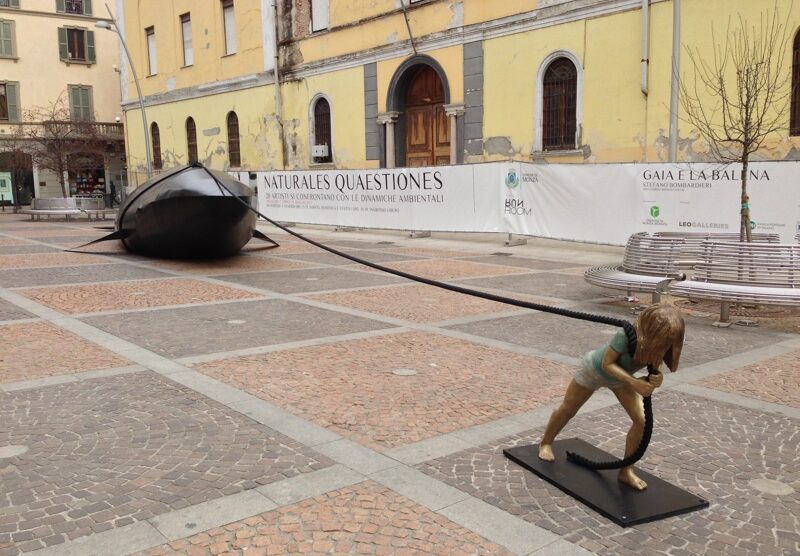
(278, 100)
(138, 92)
(675, 90)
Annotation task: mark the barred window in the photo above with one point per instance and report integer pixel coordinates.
(234, 156)
(155, 136)
(191, 140)
(794, 123)
(559, 96)
(322, 129)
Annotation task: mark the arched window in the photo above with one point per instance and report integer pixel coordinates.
(322, 129)
(794, 121)
(559, 105)
(155, 136)
(234, 156)
(191, 139)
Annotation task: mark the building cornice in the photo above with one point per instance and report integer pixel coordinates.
(53, 15)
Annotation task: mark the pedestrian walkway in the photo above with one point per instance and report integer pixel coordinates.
(290, 401)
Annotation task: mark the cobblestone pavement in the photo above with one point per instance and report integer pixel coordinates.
(132, 295)
(714, 450)
(37, 349)
(287, 401)
(775, 380)
(393, 390)
(364, 519)
(108, 452)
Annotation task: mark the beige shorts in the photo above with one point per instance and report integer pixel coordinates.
(590, 379)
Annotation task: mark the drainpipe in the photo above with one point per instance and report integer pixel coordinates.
(278, 102)
(408, 26)
(645, 43)
(675, 91)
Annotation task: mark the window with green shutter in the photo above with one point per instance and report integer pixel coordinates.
(8, 43)
(80, 101)
(9, 102)
(9, 3)
(81, 7)
(76, 45)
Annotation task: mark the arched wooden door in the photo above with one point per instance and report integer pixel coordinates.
(427, 129)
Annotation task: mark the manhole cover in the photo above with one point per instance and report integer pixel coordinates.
(746, 322)
(12, 451)
(501, 254)
(404, 372)
(769, 486)
(236, 321)
(385, 243)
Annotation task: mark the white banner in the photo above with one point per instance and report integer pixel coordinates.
(601, 203)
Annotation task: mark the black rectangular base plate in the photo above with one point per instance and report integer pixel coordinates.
(601, 490)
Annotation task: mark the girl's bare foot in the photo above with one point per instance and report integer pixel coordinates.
(630, 478)
(546, 452)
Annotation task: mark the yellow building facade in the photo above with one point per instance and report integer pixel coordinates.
(51, 49)
(383, 83)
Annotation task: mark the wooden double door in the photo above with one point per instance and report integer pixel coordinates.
(427, 126)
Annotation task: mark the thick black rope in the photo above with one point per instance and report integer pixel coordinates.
(630, 331)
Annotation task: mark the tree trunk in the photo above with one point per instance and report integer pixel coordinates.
(745, 231)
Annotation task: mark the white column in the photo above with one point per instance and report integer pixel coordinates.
(453, 111)
(388, 119)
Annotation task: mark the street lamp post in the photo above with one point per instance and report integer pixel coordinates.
(115, 28)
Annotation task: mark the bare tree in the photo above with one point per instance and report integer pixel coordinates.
(740, 96)
(57, 141)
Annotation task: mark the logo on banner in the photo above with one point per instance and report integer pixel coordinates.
(654, 211)
(512, 179)
(707, 225)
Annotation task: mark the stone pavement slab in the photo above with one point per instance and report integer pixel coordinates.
(27, 277)
(108, 452)
(323, 257)
(39, 349)
(70, 241)
(9, 311)
(365, 518)
(312, 280)
(239, 263)
(389, 391)
(43, 260)
(546, 284)
(26, 249)
(186, 331)
(428, 252)
(417, 303)
(553, 333)
(715, 450)
(533, 264)
(451, 269)
(114, 296)
(775, 380)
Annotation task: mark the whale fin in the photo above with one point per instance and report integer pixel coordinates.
(119, 234)
(261, 236)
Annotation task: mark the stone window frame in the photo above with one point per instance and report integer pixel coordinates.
(191, 140)
(234, 154)
(539, 103)
(311, 129)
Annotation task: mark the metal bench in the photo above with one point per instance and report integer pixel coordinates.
(695, 239)
(647, 262)
(55, 206)
(756, 273)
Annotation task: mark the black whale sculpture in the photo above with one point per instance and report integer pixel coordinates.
(190, 212)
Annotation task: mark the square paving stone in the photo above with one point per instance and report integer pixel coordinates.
(133, 446)
(228, 265)
(397, 389)
(417, 303)
(312, 280)
(356, 244)
(367, 518)
(73, 241)
(727, 454)
(533, 264)
(114, 296)
(9, 311)
(44, 260)
(554, 333)
(449, 269)
(75, 275)
(429, 252)
(229, 326)
(560, 286)
(38, 349)
(775, 380)
(26, 249)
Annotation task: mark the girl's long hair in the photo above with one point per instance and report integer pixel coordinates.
(660, 330)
